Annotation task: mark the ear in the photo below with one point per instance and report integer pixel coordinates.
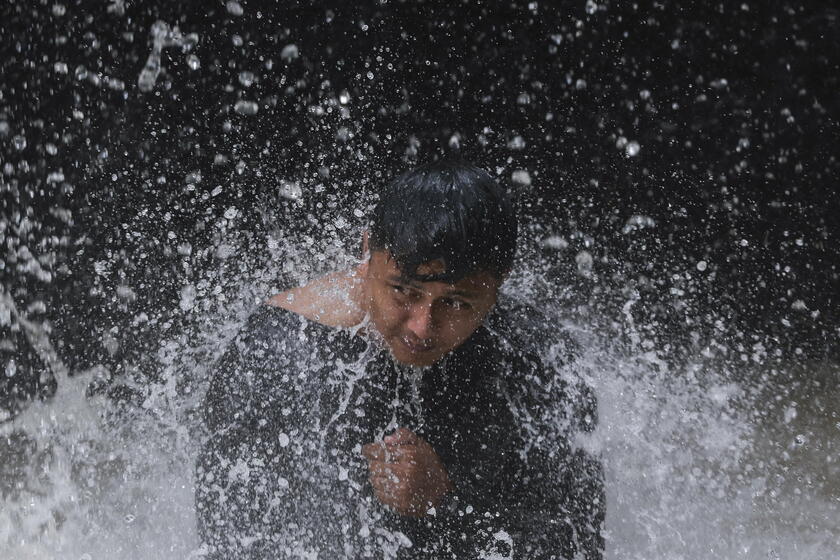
(365, 248)
(362, 269)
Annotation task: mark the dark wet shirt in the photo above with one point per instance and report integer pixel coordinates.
(292, 401)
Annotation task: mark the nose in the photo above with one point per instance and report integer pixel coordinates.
(420, 321)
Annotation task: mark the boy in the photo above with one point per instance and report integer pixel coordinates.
(395, 411)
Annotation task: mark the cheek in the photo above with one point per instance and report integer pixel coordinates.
(460, 329)
(385, 314)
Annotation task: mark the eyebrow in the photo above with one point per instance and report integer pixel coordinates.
(418, 286)
(400, 279)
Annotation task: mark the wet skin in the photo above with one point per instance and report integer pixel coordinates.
(420, 323)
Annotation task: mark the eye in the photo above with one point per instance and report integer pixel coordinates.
(457, 304)
(402, 292)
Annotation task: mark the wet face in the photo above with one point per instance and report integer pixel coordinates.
(421, 322)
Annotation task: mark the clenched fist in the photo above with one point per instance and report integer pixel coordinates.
(406, 473)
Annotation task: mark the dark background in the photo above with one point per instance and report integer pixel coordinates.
(733, 105)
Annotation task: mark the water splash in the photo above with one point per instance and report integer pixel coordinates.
(693, 470)
(162, 37)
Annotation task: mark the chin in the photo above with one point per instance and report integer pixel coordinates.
(417, 359)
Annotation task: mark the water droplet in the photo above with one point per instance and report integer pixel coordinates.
(701, 266)
(147, 78)
(187, 301)
(246, 78)
(60, 67)
(555, 242)
(521, 177)
(290, 52)
(19, 142)
(584, 263)
(283, 439)
(231, 213)
(632, 149)
(193, 62)
(290, 190)
(591, 7)
(516, 143)
(55, 177)
(637, 222)
(234, 8)
(244, 107)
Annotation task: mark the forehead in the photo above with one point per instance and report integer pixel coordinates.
(383, 266)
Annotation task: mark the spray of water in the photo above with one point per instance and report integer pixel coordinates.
(699, 464)
(719, 451)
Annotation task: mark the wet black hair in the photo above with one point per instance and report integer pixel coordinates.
(448, 210)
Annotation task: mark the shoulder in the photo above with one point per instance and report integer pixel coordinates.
(271, 328)
(329, 300)
(274, 354)
(274, 337)
(526, 331)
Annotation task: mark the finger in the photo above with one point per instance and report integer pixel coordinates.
(383, 493)
(388, 484)
(374, 451)
(402, 454)
(381, 468)
(401, 436)
(390, 453)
